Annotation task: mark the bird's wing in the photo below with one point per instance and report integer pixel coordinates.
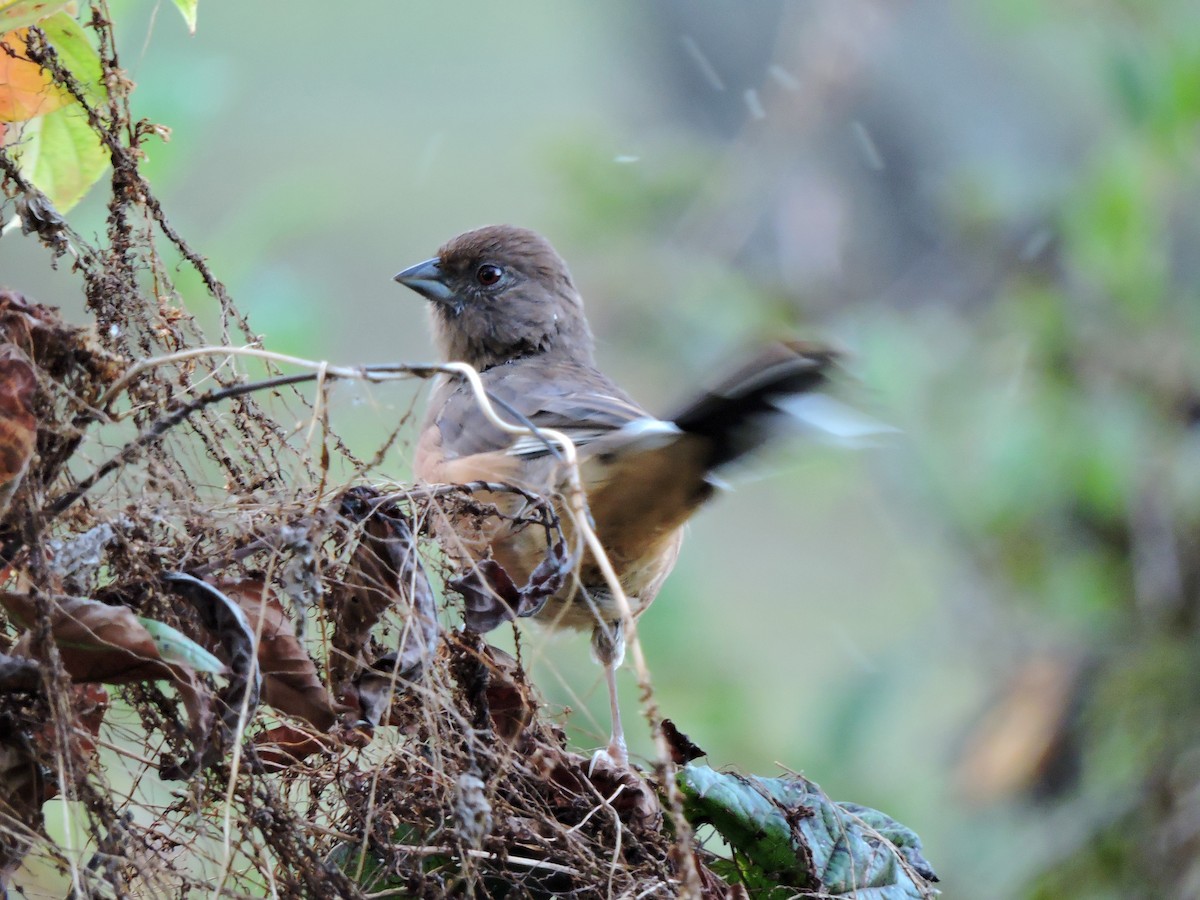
(569, 397)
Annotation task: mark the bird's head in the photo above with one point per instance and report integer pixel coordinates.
(500, 293)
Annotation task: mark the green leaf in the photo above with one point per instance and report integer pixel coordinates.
(188, 8)
(19, 13)
(788, 831)
(61, 155)
(75, 52)
(180, 650)
(59, 152)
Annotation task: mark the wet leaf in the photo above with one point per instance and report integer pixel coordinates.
(786, 832)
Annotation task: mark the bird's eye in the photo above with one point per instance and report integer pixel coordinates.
(488, 275)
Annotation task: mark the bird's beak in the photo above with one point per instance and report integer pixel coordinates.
(426, 279)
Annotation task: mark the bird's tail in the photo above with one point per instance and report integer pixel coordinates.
(777, 389)
(645, 479)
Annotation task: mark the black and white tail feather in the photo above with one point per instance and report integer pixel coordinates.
(779, 390)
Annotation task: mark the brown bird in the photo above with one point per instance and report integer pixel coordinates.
(504, 302)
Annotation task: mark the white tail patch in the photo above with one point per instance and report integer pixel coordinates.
(649, 433)
(833, 419)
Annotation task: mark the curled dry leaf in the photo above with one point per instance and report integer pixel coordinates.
(385, 573)
(54, 347)
(491, 598)
(18, 426)
(225, 620)
(290, 680)
(683, 748)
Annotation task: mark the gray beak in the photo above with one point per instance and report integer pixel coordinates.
(426, 279)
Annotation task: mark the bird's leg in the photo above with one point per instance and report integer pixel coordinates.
(608, 644)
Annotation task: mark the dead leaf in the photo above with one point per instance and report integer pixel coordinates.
(284, 746)
(291, 683)
(227, 622)
(56, 348)
(18, 426)
(385, 573)
(491, 598)
(512, 701)
(97, 642)
(578, 778)
(683, 748)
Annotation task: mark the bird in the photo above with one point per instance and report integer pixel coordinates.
(503, 301)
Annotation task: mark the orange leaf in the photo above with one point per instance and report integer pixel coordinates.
(26, 89)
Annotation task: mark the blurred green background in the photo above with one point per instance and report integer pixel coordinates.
(988, 627)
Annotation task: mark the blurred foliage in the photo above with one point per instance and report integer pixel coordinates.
(1051, 410)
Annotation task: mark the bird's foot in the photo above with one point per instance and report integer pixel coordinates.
(615, 756)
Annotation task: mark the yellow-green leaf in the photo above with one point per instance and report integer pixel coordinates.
(188, 8)
(75, 52)
(61, 155)
(19, 13)
(178, 649)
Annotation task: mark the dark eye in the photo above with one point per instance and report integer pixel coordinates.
(488, 275)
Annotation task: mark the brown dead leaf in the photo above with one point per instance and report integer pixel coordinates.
(291, 683)
(97, 642)
(511, 699)
(385, 573)
(285, 745)
(18, 426)
(582, 781)
(491, 598)
(494, 686)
